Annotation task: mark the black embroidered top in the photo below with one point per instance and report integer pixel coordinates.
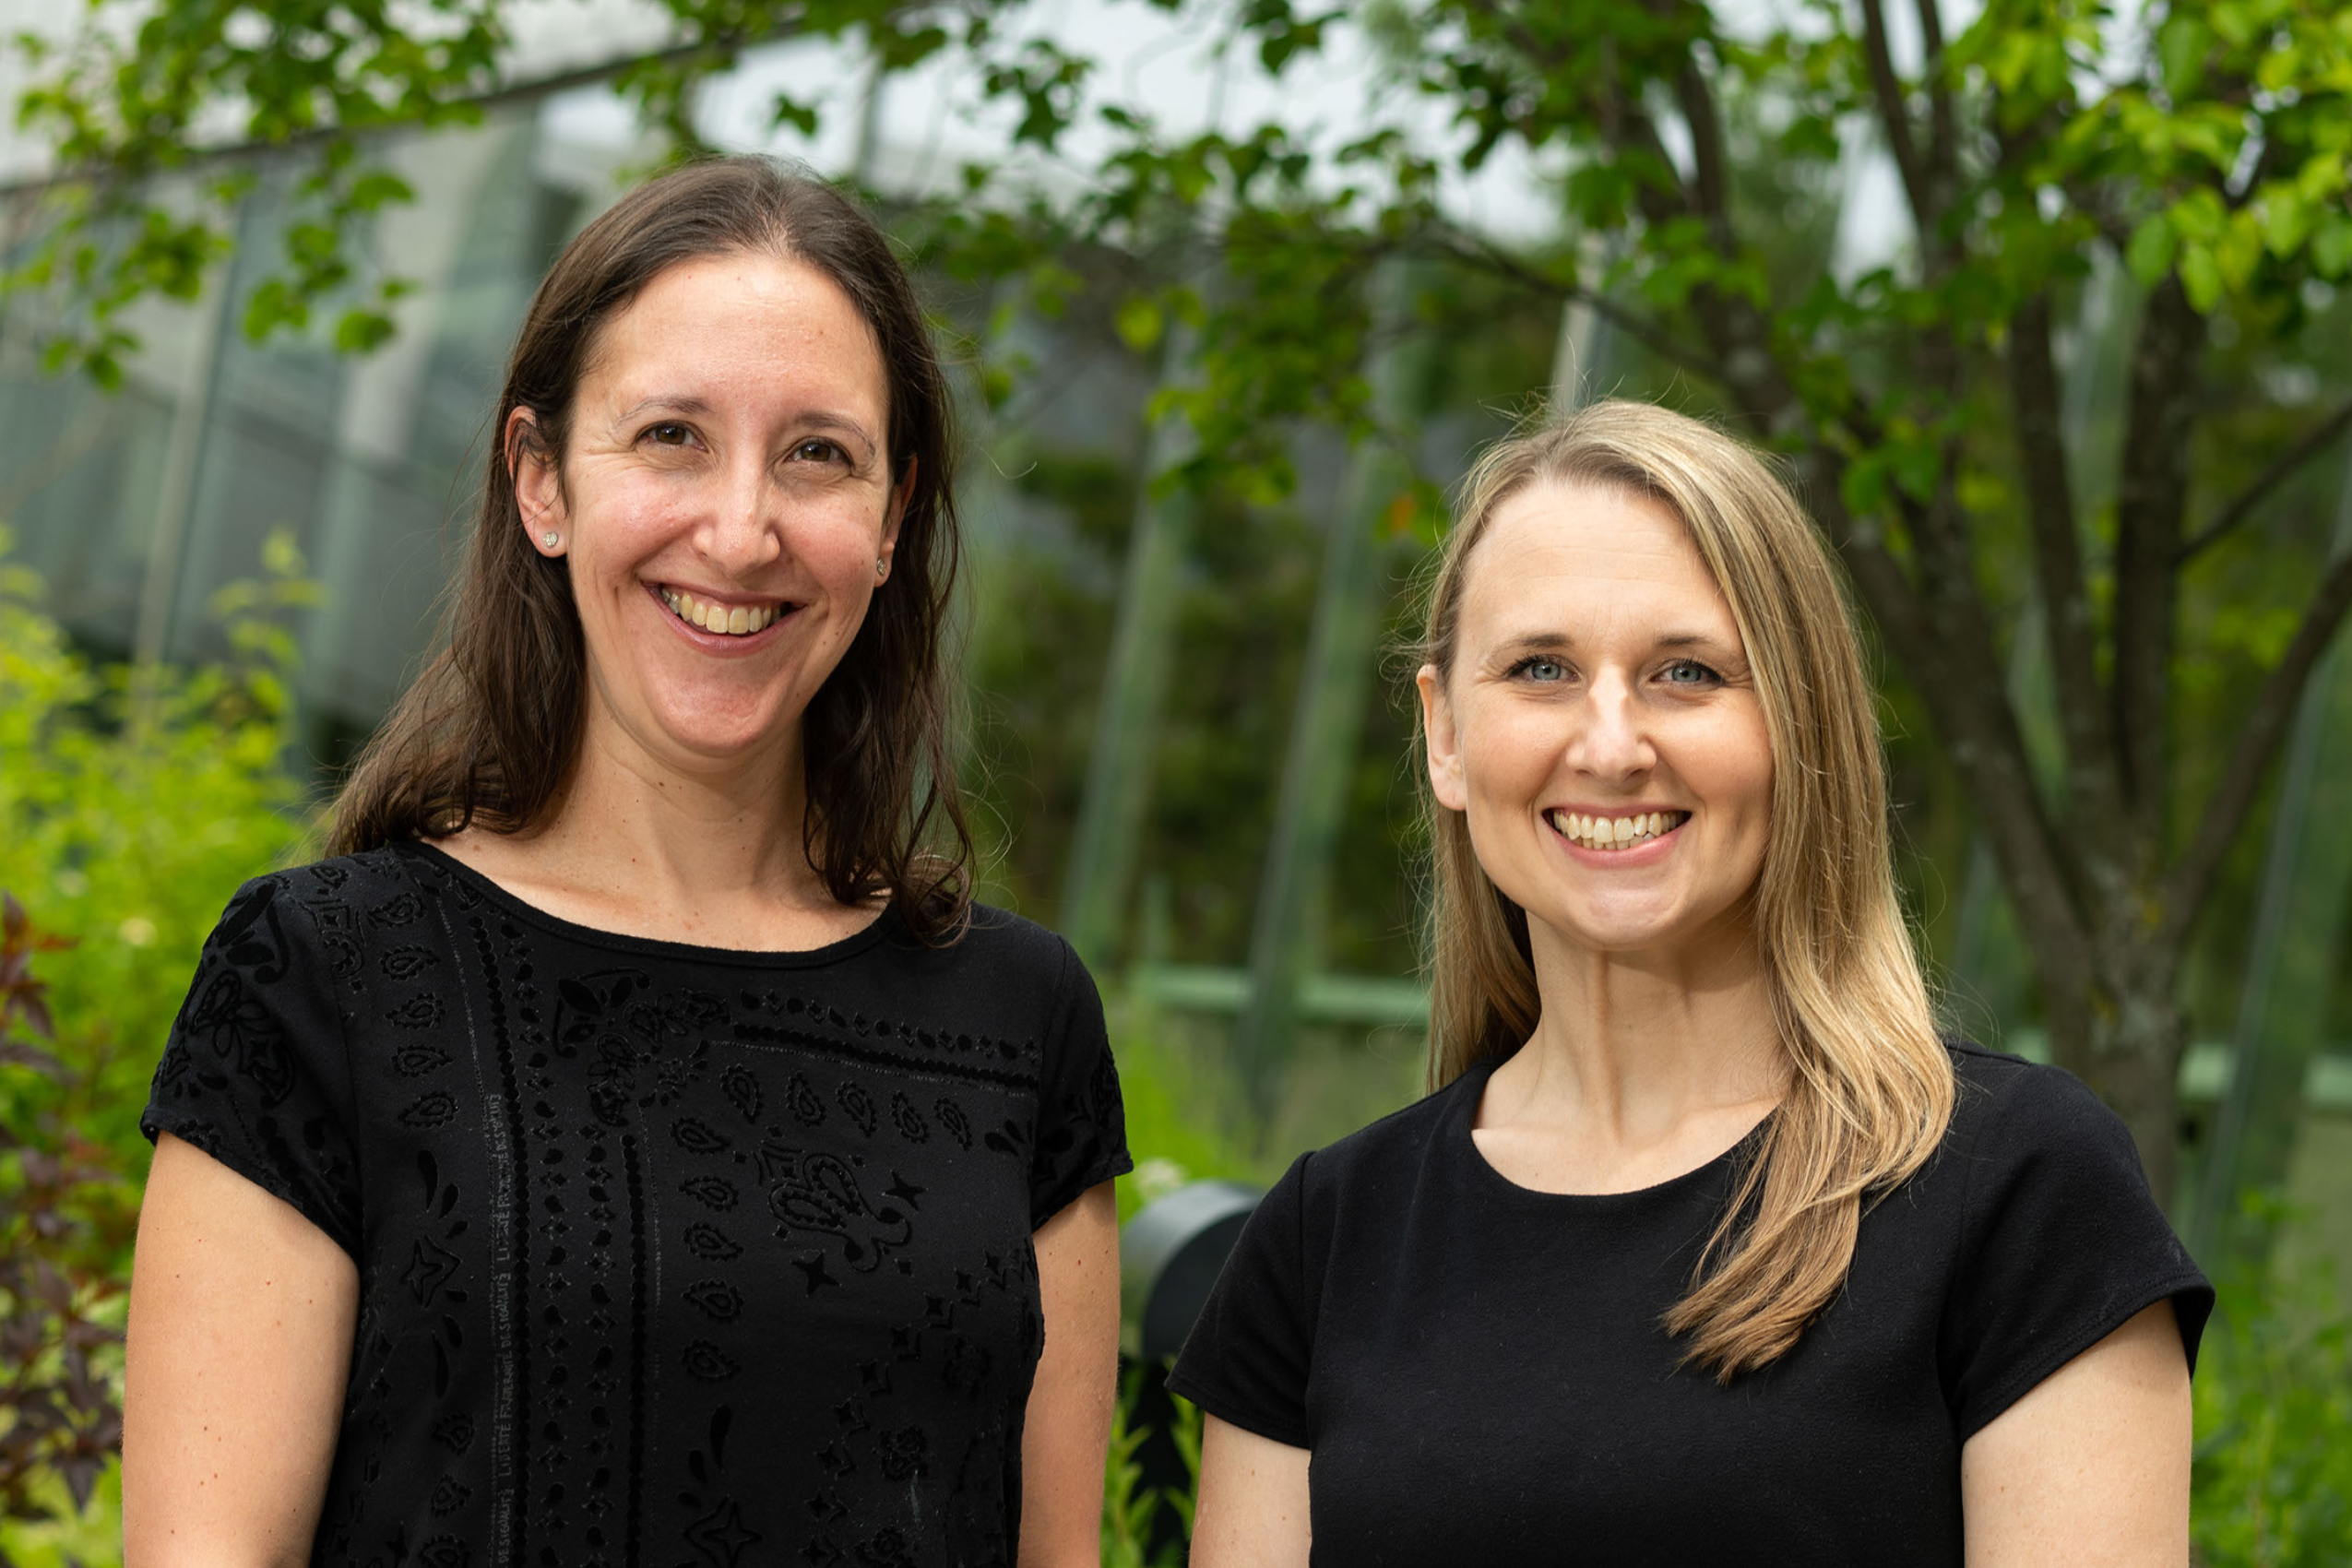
(668, 1255)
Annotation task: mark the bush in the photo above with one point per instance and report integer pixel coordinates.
(2272, 1481)
(66, 1214)
(134, 804)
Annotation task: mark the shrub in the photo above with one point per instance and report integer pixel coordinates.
(2273, 1480)
(66, 1218)
(134, 802)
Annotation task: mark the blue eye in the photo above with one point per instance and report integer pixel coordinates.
(1690, 672)
(1539, 668)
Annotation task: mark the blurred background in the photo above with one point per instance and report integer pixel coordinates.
(2044, 304)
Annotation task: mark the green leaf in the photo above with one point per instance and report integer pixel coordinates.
(1140, 322)
(359, 331)
(2332, 246)
(2201, 276)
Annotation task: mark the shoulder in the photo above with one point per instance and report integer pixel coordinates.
(999, 938)
(1006, 974)
(372, 881)
(2032, 1151)
(324, 906)
(996, 954)
(2006, 1104)
(1381, 1159)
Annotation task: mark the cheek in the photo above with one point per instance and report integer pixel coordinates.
(837, 540)
(1507, 753)
(1740, 776)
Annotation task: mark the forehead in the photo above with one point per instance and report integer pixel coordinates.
(742, 321)
(1575, 559)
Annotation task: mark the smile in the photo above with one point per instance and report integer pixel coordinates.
(727, 619)
(1613, 832)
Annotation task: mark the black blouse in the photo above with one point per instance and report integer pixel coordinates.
(666, 1254)
(1482, 1376)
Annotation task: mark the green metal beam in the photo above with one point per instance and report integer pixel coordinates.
(1116, 802)
(1327, 719)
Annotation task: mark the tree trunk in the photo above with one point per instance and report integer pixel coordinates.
(2126, 1042)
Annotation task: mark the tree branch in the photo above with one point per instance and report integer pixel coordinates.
(2318, 439)
(1943, 136)
(1477, 250)
(2035, 407)
(2268, 719)
(502, 96)
(1965, 689)
(1895, 117)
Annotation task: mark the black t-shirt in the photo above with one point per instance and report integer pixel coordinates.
(1480, 1373)
(666, 1254)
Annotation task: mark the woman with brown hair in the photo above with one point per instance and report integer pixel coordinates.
(635, 1146)
(1704, 1247)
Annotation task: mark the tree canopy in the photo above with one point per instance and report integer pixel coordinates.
(2188, 163)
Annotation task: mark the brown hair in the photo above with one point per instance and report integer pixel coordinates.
(1872, 1086)
(490, 733)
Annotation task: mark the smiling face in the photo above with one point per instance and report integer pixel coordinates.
(1601, 728)
(724, 497)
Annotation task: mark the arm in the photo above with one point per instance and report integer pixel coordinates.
(1253, 1500)
(241, 1325)
(2091, 1468)
(1068, 1425)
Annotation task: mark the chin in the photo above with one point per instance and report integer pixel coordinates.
(1621, 931)
(720, 733)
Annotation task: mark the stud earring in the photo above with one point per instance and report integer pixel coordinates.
(881, 568)
(551, 539)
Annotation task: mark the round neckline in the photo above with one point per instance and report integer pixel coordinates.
(1463, 1124)
(514, 904)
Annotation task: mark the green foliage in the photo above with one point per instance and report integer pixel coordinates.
(2273, 1478)
(135, 800)
(1132, 1511)
(66, 1219)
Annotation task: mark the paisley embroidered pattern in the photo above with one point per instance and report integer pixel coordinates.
(623, 1215)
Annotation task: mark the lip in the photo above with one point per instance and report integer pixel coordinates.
(723, 643)
(1641, 855)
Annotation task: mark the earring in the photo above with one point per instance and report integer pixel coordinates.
(881, 568)
(551, 539)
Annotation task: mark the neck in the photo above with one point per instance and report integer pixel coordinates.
(670, 847)
(1633, 1047)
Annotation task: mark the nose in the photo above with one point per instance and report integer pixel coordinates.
(742, 527)
(1612, 739)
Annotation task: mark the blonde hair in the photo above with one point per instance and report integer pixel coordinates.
(1872, 1087)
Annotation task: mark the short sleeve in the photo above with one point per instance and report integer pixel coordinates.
(1249, 1355)
(256, 1073)
(1082, 1121)
(2061, 1243)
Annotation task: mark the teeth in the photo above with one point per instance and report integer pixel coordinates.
(740, 621)
(1616, 832)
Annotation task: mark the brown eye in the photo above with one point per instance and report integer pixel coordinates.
(818, 450)
(668, 433)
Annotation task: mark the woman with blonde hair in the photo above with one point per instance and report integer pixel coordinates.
(1704, 1246)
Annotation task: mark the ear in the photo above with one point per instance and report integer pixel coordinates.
(1444, 749)
(538, 477)
(901, 494)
